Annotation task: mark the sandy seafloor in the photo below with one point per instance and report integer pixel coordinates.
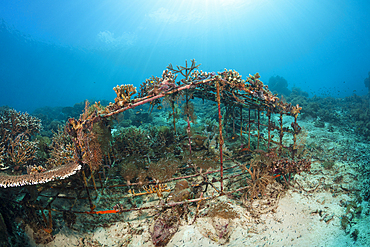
(302, 217)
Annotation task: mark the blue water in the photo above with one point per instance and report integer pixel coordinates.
(57, 53)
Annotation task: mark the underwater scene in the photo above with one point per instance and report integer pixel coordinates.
(185, 123)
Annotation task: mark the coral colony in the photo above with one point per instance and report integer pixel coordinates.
(170, 170)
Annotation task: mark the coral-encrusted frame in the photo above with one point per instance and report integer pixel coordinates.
(250, 96)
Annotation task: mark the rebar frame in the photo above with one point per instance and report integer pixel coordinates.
(249, 95)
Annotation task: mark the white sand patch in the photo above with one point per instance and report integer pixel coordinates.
(301, 219)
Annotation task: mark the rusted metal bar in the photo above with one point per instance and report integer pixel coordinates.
(167, 205)
(258, 128)
(148, 99)
(173, 116)
(269, 130)
(92, 206)
(249, 129)
(281, 134)
(241, 123)
(294, 150)
(233, 120)
(221, 142)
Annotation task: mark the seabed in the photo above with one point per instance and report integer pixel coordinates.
(207, 159)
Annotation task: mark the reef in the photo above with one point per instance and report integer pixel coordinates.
(367, 82)
(113, 160)
(352, 112)
(278, 84)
